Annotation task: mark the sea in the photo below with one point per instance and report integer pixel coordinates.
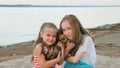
(21, 24)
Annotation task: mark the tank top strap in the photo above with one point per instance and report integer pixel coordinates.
(47, 51)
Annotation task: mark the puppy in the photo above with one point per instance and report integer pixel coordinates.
(61, 39)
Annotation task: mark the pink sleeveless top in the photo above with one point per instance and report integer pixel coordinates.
(36, 62)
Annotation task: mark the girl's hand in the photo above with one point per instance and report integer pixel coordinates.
(70, 46)
(60, 44)
(59, 56)
(62, 49)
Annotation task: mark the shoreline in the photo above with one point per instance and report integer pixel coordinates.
(16, 50)
(23, 42)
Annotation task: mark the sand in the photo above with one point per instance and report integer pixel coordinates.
(24, 62)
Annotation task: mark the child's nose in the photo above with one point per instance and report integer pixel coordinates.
(51, 38)
(67, 32)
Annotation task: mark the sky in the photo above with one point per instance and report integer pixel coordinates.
(64, 2)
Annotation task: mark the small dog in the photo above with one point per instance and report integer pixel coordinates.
(57, 49)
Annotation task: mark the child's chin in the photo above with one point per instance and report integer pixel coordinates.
(51, 44)
(70, 38)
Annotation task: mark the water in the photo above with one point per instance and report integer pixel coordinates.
(19, 24)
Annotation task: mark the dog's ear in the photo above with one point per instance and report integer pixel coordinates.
(58, 35)
(62, 38)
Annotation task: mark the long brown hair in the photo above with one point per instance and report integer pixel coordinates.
(39, 38)
(77, 29)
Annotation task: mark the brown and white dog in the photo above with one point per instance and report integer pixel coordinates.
(61, 39)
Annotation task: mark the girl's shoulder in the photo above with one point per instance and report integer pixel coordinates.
(38, 46)
(87, 37)
(38, 49)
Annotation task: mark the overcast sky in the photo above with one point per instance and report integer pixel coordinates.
(62, 2)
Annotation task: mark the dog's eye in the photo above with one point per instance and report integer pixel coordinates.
(64, 40)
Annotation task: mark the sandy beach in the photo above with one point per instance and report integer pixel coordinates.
(106, 42)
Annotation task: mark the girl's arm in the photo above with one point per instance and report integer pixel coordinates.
(41, 58)
(62, 51)
(73, 59)
(69, 47)
(82, 49)
(76, 58)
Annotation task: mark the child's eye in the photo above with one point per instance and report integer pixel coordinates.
(48, 34)
(68, 28)
(54, 35)
(63, 30)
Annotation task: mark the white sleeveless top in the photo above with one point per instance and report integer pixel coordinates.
(88, 47)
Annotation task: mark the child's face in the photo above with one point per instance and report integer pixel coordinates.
(67, 30)
(49, 36)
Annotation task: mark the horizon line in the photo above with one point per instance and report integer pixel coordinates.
(31, 5)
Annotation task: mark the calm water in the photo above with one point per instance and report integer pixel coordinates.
(19, 24)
